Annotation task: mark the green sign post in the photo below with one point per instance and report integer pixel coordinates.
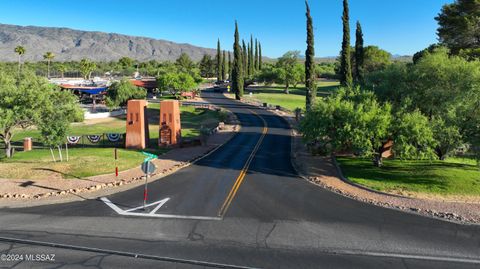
(148, 168)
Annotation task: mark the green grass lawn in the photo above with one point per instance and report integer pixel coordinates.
(83, 162)
(275, 95)
(453, 177)
(95, 159)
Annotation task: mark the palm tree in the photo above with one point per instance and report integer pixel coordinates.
(20, 51)
(48, 56)
(62, 68)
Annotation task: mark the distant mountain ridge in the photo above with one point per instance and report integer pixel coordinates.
(73, 45)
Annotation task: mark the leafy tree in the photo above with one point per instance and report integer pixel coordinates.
(20, 51)
(354, 120)
(445, 89)
(350, 119)
(207, 66)
(86, 68)
(413, 136)
(310, 62)
(219, 61)
(268, 75)
(120, 92)
(326, 70)
(359, 54)
(48, 56)
(237, 71)
(62, 69)
(54, 121)
(459, 26)
(418, 55)
(126, 62)
(375, 59)
(176, 82)
(24, 101)
(345, 63)
(184, 63)
(286, 65)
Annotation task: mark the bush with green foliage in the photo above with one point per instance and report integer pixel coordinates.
(120, 92)
(444, 88)
(353, 120)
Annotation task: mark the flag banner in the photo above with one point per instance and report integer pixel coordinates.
(94, 138)
(73, 140)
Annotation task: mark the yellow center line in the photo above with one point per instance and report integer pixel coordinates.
(244, 170)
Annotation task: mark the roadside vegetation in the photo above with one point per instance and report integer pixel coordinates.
(275, 94)
(453, 177)
(421, 115)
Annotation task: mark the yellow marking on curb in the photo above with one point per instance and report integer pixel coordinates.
(244, 170)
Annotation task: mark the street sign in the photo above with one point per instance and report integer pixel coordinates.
(148, 167)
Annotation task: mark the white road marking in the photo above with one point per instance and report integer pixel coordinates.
(152, 214)
(160, 203)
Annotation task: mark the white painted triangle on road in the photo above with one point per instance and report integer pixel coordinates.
(129, 212)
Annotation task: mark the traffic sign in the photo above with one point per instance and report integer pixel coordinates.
(148, 167)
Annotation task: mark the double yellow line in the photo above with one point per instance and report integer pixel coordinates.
(244, 170)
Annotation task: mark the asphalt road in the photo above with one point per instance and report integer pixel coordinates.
(243, 205)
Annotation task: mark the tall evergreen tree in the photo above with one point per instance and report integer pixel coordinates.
(251, 63)
(248, 60)
(219, 61)
(245, 58)
(224, 66)
(256, 56)
(230, 66)
(359, 54)
(237, 71)
(310, 63)
(345, 61)
(260, 59)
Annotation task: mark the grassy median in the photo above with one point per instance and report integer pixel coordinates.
(275, 95)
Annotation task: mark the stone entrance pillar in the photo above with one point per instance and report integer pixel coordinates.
(137, 136)
(170, 127)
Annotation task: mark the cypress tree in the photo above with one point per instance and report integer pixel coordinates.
(260, 60)
(251, 64)
(230, 67)
(256, 56)
(237, 71)
(345, 62)
(224, 66)
(245, 58)
(219, 61)
(310, 63)
(359, 54)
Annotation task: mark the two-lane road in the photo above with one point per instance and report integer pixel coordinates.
(244, 205)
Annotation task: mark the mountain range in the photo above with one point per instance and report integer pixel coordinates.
(73, 45)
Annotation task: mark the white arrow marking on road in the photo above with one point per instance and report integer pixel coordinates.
(159, 204)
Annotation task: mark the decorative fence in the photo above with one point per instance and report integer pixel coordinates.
(103, 140)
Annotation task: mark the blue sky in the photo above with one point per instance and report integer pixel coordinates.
(399, 26)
